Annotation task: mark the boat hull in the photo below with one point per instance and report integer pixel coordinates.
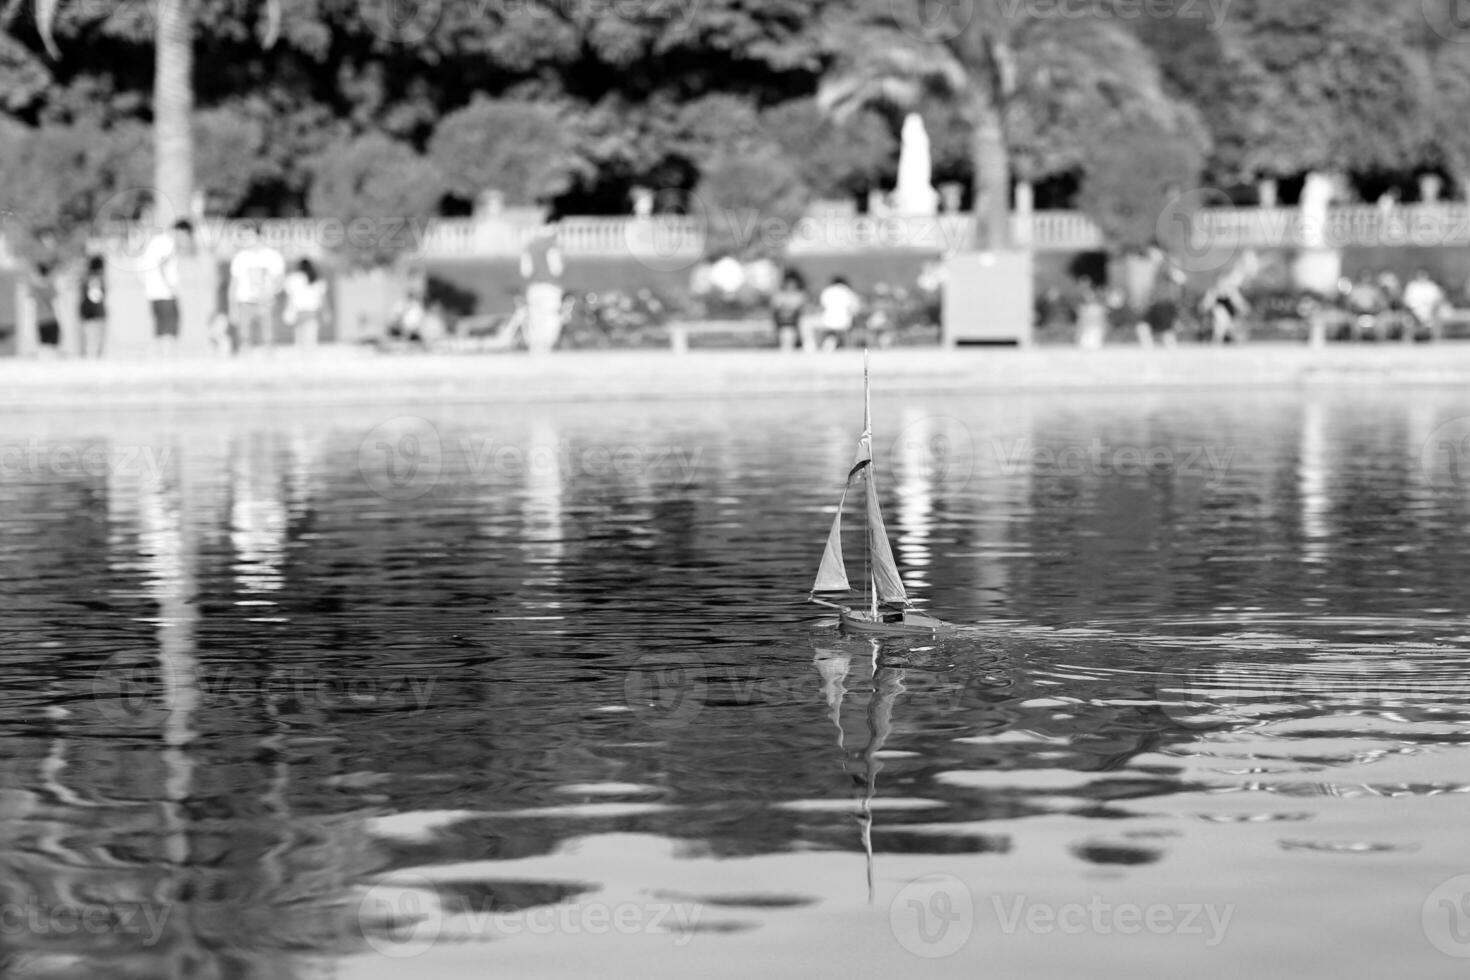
(905, 623)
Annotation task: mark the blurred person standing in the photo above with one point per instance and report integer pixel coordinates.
(727, 276)
(788, 304)
(763, 275)
(1092, 318)
(728, 288)
(257, 274)
(43, 298)
(1367, 303)
(542, 268)
(1224, 303)
(1425, 301)
(161, 282)
(92, 308)
(306, 301)
(1161, 320)
(840, 306)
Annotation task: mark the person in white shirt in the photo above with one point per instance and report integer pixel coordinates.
(542, 267)
(306, 300)
(840, 307)
(727, 276)
(160, 264)
(1424, 298)
(257, 273)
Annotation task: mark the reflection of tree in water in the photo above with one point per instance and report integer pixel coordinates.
(161, 820)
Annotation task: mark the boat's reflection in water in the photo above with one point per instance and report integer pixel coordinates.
(871, 671)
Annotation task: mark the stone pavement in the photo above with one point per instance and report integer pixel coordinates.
(346, 375)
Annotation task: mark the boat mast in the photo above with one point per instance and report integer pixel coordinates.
(872, 465)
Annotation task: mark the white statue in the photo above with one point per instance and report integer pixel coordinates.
(914, 193)
(1317, 194)
(1318, 265)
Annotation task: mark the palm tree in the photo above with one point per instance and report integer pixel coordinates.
(1034, 88)
(173, 94)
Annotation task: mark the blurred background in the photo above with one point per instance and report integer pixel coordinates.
(1295, 141)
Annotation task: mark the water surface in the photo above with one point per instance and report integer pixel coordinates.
(465, 690)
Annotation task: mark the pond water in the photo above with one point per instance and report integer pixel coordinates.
(461, 691)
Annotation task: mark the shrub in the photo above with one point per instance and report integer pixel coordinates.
(523, 149)
(837, 160)
(752, 200)
(229, 158)
(382, 193)
(1129, 177)
(67, 181)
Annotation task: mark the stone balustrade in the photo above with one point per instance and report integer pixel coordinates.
(681, 239)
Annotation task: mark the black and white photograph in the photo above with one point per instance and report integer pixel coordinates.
(681, 489)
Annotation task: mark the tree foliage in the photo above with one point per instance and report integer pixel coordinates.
(66, 181)
(377, 193)
(657, 93)
(835, 159)
(1326, 84)
(523, 149)
(1037, 89)
(751, 200)
(1131, 178)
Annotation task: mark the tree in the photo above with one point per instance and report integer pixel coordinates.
(524, 149)
(1330, 85)
(173, 93)
(230, 147)
(751, 199)
(835, 159)
(379, 192)
(1441, 43)
(1128, 180)
(1031, 85)
(60, 181)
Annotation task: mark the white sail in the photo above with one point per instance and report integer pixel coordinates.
(885, 571)
(832, 575)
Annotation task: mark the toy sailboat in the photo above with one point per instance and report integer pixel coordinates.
(886, 607)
